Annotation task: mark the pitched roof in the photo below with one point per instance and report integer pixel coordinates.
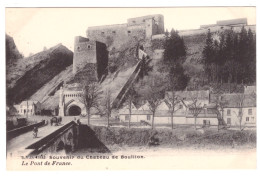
(233, 100)
(188, 95)
(30, 102)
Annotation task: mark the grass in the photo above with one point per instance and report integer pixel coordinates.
(180, 137)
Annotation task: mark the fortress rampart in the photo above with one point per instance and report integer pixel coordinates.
(116, 35)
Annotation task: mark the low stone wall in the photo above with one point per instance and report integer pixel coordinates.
(13, 133)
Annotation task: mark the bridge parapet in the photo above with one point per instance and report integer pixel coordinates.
(63, 139)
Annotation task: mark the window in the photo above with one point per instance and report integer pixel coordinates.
(148, 117)
(102, 33)
(133, 21)
(206, 122)
(114, 32)
(78, 48)
(221, 27)
(228, 112)
(228, 120)
(143, 20)
(247, 119)
(129, 32)
(249, 111)
(88, 46)
(127, 117)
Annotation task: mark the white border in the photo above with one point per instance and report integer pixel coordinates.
(111, 3)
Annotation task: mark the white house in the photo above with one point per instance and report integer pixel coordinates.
(182, 115)
(234, 113)
(28, 107)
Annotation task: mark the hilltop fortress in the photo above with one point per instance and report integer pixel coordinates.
(145, 30)
(92, 50)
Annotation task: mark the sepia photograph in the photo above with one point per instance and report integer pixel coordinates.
(130, 88)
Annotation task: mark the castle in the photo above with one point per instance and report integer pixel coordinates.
(102, 39)
(94, 50)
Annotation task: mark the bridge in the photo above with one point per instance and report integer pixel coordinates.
(63, 139)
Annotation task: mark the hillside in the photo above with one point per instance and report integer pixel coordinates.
(192, 65)
(28, 75)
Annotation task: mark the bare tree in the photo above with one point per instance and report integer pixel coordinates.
(107, 105)
(194, 106)
(174, 101)
(151, 89)
(90, 98)
(240, 97)
(129, 102)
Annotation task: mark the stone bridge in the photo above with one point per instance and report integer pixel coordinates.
(65, 139)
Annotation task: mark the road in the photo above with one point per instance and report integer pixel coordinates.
(16, 146)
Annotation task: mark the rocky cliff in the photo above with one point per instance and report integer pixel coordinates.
(26, 76)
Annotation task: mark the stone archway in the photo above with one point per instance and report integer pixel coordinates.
(60, 146)
(74, 110)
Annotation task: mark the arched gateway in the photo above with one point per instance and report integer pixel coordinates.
(70, 103)
(74, 110)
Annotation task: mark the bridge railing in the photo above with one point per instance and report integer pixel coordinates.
(48, 140)
(18, 131)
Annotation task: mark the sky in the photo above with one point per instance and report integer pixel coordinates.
(36, 28)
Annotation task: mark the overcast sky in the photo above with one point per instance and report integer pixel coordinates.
(34, 28)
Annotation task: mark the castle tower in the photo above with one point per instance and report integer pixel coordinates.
(61, 103)
(90, 52)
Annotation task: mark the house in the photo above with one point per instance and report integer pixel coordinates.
(138, 113)
(249, 89)
(239, 108)
(182, 114)
(28, 107)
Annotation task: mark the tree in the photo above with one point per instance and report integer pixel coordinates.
(174, 47)
(108, 106)
(90, 97)
(239, 99)
(151, 88)
(130, 98)
(174, 101)
(219, 105)
(193, 105)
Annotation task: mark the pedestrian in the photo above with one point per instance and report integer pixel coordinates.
(35, 131)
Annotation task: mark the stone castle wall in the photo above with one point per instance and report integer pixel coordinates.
(89, 51)
(84, 52)
(136, 28)
(215, 29)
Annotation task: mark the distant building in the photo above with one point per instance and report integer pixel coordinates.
(28, 108)
(224, 23)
